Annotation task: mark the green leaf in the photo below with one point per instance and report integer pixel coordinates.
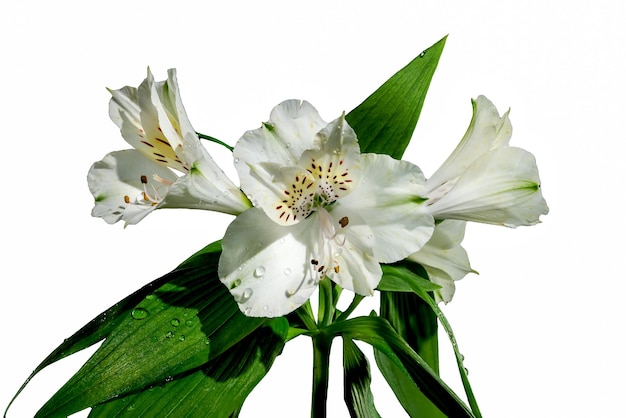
(174, 325)
(385, 121)
(356, 382)
(378, 333)
(217, 389)
(416, 323)
(413, 281)
(394, 282)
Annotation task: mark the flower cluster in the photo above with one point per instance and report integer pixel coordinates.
(311, 206)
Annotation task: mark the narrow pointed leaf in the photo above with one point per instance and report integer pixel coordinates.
(179, 325)
(412, 280)
(385, 121)
(378, 333)
(217, 389)
(356, 382)
(416, 323)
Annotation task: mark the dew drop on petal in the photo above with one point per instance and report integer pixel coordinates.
(245, 296)
(236, 160)
(287, 271)
(259, 272)
(266, 308)
(248, 311)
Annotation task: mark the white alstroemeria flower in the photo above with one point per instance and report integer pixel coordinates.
(444, 259)
(322, 210)
(486, 180)
(168, 167)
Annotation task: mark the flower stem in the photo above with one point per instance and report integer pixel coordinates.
(217, 141)
(321, 356)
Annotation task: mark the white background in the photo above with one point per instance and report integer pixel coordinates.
(541, 327)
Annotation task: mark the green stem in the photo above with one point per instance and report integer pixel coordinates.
(326, 309)
(321, 356)
(217, 141)
(355, 302)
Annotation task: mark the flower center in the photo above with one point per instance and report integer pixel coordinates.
(150, 194)
(313, 188)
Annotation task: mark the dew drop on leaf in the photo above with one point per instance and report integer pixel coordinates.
(139, 313)
(175, 322)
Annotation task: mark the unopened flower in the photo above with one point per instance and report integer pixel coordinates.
(168, 166)
(485, 179)
(322, 211)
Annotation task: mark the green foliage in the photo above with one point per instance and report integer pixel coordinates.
(385, 121)
(356, 382)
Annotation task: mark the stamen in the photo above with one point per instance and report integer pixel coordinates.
(161, 180)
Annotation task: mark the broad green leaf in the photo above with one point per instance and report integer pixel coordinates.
(215, 390)
(412, 280)
(385, 121)
(185, 320)
(356, 382)
(378, 333)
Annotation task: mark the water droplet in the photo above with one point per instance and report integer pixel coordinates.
(189, 323)
(236, 160)
(266, 307)
(248, 311)
(131, 407)
(269, 314)
(181, 338)
(175, 322)
(154, 338)
(169, 334)
(151, 297)
(207, 341)
(139, 313)
(245, 295)
(259, 272)
(466, 371)
(422, 54)
(288, 145)
(338, 252)
(235, 283)
(287, 271)
(169, 379)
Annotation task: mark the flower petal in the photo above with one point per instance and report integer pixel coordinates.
(390, 198)
(206, 187)
(351, 253)
(290, 131)
(501, 187)
(487, 131)
(124, 186)
(267, 266)
(444, 259)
